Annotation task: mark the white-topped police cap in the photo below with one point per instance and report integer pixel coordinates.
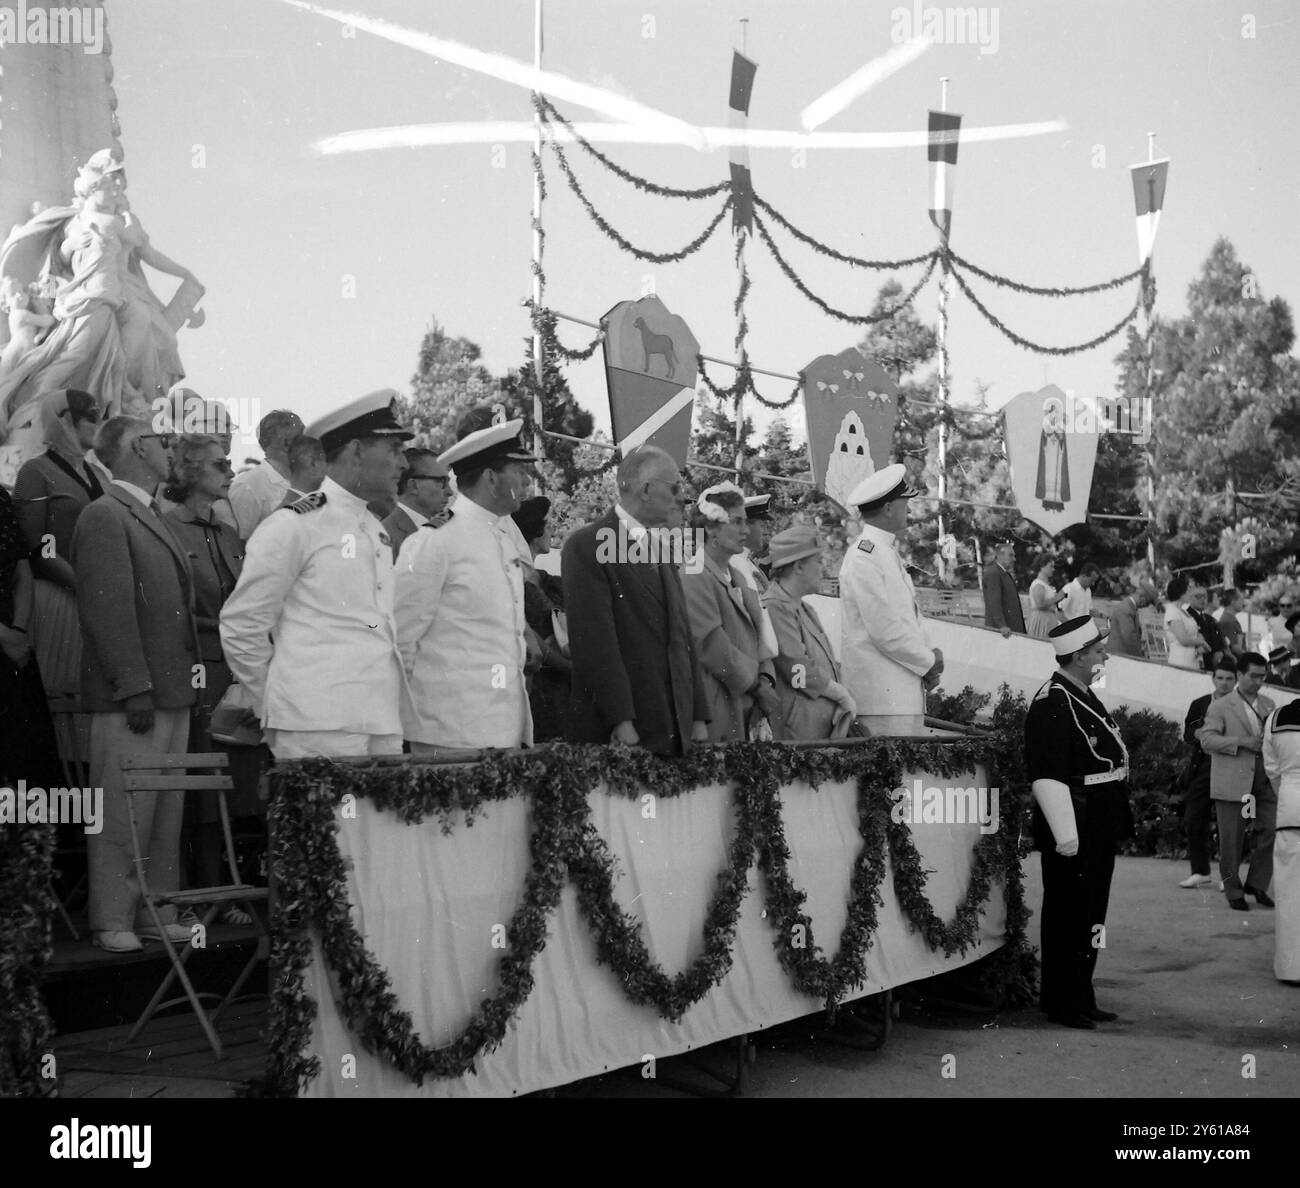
(1075, 634)
(371, 415)
(756, 507)
(495, 443)
(888, 483)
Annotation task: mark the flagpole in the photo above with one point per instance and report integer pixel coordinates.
(539, 361)
(742, 359)
(943, 356)
(1148, 402)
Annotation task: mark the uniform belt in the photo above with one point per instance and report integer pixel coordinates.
(1105, 777)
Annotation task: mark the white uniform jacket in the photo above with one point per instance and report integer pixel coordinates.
(883, 648)
(460, 630)
(308, 630)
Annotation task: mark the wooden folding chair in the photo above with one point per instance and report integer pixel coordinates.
(171, 773)
(71, 739)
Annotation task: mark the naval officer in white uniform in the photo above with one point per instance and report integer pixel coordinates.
(309, 630)
(888, 665)
(460, 605)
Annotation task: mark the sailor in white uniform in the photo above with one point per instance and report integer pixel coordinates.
(888, 665)
(309, 630)
(460, 605)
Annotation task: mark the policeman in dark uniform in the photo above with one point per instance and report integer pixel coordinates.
(1078, 766)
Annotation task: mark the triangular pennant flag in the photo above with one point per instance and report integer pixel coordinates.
(742, 190)
(1148, 197)
(945, 129)
(650, 368)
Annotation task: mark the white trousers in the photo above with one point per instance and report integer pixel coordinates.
(330, 744)
(115, 904)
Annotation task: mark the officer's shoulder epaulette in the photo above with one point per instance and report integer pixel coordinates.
(309, 503)
(1045, 691)
(866, 546)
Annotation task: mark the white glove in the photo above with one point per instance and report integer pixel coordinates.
(1053, 797)
(842, 697)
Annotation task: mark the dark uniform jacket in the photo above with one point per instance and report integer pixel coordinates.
(1069, 736)
(630, 639)
(1198, 769)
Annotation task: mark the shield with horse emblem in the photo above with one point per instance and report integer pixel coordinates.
(851, 407)
(650, 368)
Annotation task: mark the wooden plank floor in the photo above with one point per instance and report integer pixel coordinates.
(171, 1057)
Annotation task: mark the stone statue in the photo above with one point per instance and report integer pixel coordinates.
(111, 336)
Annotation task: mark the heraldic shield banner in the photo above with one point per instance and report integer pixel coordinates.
(851, 407)
(650, 369)
(1051, 442)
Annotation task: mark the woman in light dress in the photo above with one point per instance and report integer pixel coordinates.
(1043, 599)
(1183, 638)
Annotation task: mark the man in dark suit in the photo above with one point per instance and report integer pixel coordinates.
(1196, 780)
(135, 598)
(1001, 602)
(1243, 798)
(422, 495)
(636, 678)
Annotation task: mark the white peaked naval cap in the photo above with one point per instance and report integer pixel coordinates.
(889, 483)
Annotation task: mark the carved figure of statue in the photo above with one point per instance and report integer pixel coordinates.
(112, 336)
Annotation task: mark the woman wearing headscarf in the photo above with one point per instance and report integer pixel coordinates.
(51, 491)
(726, 620)
(548, 690)
(202, 475)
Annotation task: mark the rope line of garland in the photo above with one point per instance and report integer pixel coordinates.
(544, 322)
(742, 385)
(855, 319)
(823, 249)
(1039, 348)
(640, 253)
(550, 113)
(1114, 283)
(312, 882)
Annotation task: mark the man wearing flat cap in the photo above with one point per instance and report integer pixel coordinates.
(888, 665)
(813, 700)
(460, 605)
(1077, 764)
(309, 629)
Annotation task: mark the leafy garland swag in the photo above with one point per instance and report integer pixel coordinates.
(312, 881)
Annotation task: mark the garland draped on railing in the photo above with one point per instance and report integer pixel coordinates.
(311, 881)
(26, 911)
(544, 323)
(1039, 348)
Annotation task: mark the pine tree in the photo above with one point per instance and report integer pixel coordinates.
(448, 382)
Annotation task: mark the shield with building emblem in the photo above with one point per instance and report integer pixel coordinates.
(650, 369)
(851, 407)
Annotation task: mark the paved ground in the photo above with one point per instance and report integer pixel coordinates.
(1192, 981)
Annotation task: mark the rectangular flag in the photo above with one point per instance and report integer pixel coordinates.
(742, 192)
(945, 129)
(1148, 198)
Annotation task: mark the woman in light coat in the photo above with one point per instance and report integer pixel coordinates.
(808, 683)
(726, 620)
(1281, 753)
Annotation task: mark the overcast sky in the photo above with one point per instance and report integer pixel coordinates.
(323, 271)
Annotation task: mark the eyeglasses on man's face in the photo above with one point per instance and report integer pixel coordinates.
(674, 489)
(166, 440)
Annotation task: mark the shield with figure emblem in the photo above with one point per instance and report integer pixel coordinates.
(851, 407)
(650, 368)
